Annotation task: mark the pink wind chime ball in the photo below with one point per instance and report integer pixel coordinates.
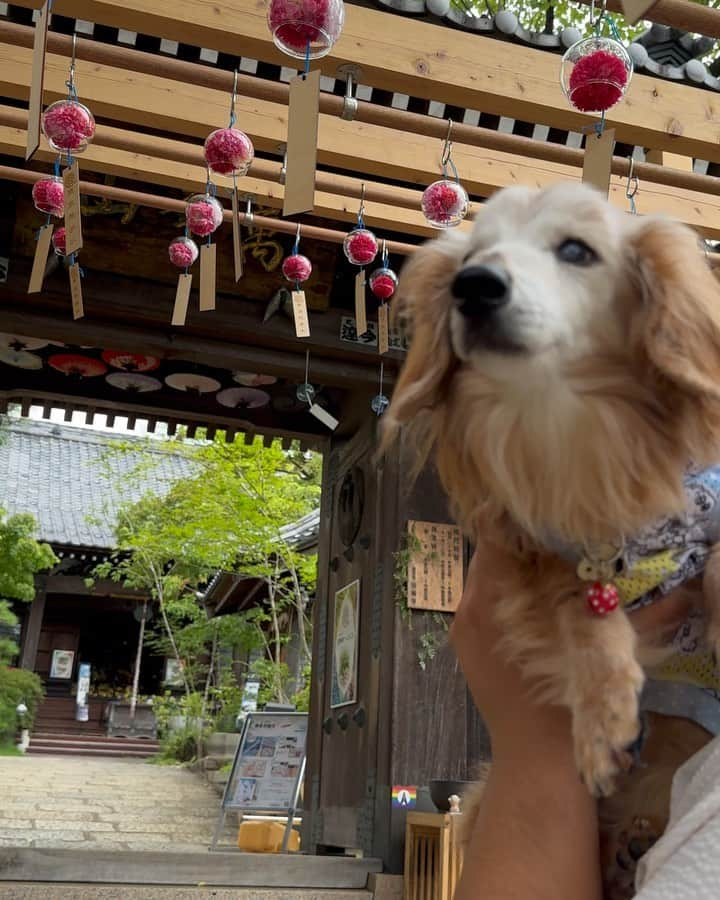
(59, 241)
(360, 246)
(228, 151)
(297, 268)
(68, 125)
(303, 28)
(48, 195)
(203, 214)
(383, 283)
(595, 74)
(444, 203)
(183, 252)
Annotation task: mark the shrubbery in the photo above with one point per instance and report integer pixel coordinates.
(17, 686)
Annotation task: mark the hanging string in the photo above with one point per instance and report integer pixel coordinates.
(446, 160)
(361, 210)
(307, 60)
(233, 98)
(70, 83)
(296, 248)
(632, 187)
(385, 255)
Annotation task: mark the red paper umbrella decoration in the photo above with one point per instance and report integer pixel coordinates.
(251, 379)
(130, 362)
(76, 365)
(243, 398)
(133, 383)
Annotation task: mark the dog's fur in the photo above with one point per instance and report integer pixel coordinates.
(575, 411)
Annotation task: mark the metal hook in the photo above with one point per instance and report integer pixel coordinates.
(447, 147)
(351, 74)
(70, 83)
(249, 217)
(361, 211)
(283, 167)
(596, 21)
(384, 253)
(233, 98)
(633, 186)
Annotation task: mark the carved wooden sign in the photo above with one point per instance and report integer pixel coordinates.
(435, 567)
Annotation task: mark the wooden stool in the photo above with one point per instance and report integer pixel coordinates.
(433, 856)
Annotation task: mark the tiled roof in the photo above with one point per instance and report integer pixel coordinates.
(55, 473)
(303, 534)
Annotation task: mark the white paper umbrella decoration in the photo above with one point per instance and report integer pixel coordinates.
(133, 383)
(21, 359)
(251, 379)
(243, 398)
(18, 342)
(196, 384)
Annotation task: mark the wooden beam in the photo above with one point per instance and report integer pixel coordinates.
(152, 102)
(154, 168)
(432, 61)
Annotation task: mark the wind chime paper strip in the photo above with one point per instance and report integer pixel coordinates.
(383, 329)
(182, 300)
(42, 248)
(598, 160)
(237, 238)
(76, 291)
(73, 217)
(360, 308)
(303, 113)
(322, 415)
(38, 79)
(300, 314)
(636, 9)
(208, 261)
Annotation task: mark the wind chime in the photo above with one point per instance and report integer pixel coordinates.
(297, 269)
(69, 126)
(445, 202)
(383, 284)
(595, 72)
(361, 248)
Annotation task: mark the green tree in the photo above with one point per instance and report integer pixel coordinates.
(21, 558)
(227, 516)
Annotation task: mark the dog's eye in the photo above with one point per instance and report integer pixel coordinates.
(577, 253)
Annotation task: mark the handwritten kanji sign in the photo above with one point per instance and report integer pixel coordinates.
(435, 567)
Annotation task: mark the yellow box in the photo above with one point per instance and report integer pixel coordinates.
(257, 836)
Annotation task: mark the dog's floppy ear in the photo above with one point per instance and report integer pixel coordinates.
(422, 307)
(680, 326)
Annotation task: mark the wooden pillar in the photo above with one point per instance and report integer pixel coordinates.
(407, 725)
(33, 625)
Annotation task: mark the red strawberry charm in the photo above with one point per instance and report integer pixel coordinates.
(602, 598)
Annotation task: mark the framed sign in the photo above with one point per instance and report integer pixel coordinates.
(435, 569)
(62, 663)
(268, 763)
(343, 689)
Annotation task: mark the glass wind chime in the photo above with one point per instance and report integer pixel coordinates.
(383, 283)
(360, 247)
(595, 72)
(445, 202)
(69, 127)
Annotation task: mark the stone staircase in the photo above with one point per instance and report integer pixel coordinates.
(29, 891)
(57, 732)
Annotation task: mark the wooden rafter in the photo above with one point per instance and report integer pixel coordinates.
(434, 62)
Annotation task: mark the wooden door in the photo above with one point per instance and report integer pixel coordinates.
(56, 637)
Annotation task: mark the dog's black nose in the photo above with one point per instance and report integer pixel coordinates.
(479, 290)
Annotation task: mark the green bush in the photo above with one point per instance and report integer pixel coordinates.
(17, 686)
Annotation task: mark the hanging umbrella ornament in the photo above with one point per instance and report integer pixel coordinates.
(297, 269)
(192, 383)
(305, 29)
(133, 383)
(253, 379)
(20, 359)
(243, 398)
(77, 366)
(445, 202)
(130, 362)
(19, 342)
(595, 72)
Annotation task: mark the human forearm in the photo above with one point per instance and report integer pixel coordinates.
(535, 836)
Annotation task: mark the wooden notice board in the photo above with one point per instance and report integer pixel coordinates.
(435, 567)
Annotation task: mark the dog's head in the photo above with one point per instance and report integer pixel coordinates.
(555, 296)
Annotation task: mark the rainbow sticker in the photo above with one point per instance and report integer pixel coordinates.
(404, 796)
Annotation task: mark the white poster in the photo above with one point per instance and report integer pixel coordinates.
(343, 690)
(62, 663)
(268, 762)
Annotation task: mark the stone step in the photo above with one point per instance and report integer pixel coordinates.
(292, 876)
(29, 891)
(94, 739)
(36, 749)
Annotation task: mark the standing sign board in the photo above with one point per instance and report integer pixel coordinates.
(83, 690)
(268, 768)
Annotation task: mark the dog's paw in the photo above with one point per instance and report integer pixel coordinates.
(605, 724)
(627, 849)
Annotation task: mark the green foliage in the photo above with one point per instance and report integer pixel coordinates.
(9, 750)
(17, 686)
(21, 558)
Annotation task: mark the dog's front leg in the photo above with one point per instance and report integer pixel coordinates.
(602, 684)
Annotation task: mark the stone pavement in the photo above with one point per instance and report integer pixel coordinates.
(81, 803)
